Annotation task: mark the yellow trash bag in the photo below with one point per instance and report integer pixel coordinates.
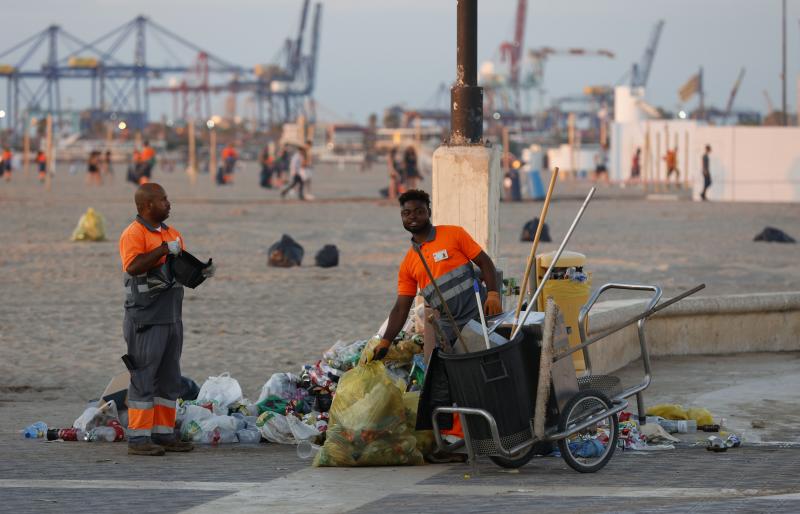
(401, 353)
(368, 424)
(425, 440)
(702, 416)
(668, 411)
(91, 227)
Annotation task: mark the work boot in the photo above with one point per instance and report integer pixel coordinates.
(147, 448)
(176, 445)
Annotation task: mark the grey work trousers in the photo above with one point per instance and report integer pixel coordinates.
(155, 381)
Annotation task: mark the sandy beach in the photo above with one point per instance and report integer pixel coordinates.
(61, 304)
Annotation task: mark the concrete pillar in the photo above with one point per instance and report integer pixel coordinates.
(466, 191)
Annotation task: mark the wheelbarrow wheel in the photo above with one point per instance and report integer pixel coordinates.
(589, 449)
(522, 458)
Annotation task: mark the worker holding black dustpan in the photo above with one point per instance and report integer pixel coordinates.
(447, 254)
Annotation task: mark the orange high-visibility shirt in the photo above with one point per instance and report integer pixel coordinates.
(138, 239)
(147, 154)
(447, 248)
(229, 152)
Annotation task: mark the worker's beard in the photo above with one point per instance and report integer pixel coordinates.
(419, 229)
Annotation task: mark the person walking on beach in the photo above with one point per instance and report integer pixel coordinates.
(411, 168)
(147, 159)
(601, 164)
(706, 172)
(93, 169)
(267, 168)
(6, 163)
(41, 161)
(308, 170)
(296, 178)
(636, 165)
(395, 174)
(152, 326)
(672, 164)
(108, 170)
(281, 166)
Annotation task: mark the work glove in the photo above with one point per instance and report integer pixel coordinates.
(493, 305)
(377, 352)
(209, 270)
(174, 247)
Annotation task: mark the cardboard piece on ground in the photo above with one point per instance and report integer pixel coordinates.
(117, 390)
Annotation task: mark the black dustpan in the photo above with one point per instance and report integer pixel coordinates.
(188, 269)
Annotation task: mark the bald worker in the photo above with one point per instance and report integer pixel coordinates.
(152, 325)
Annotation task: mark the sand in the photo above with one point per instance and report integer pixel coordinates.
(61, 303)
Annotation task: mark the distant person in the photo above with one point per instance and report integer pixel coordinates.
(411, 168)
(308, 169)
(147, 159)
(135, 169)
(671, 158)
(41, 162)
(6, 164)
(601, 164)
(296, 178)
(93, 168)
(395, 174)
(706, 172)
(267, 168)
(636, 165)
(228, 166)
(282, 165)
(107, 167)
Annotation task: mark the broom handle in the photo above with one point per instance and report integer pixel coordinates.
(532, 256)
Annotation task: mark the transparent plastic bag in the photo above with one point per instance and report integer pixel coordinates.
(368, 424)
(224, 389)
(275, 428)
(96, 416)
(343, 355)
(282, 385)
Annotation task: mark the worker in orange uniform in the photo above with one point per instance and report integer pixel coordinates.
(450, 253)
(148, 161)
(6, 164)
(672, 163)
(152, 324)
(229, 158)
(41, 161)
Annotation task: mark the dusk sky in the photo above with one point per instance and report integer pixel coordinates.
(380, 52)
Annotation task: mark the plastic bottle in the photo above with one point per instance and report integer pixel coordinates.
(681, 426)
(65, 434)
(249, 436)
(119, 430)
(101, 434)
(306, 450)
(35, 431)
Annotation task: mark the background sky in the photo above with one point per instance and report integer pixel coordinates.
(375, 53)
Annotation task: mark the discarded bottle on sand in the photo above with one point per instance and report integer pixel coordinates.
(306, 450)
(65, 434)
(101, 434)
(217, 436)
(680, 426)
(35, 431)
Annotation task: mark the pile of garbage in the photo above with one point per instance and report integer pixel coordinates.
(352, 412)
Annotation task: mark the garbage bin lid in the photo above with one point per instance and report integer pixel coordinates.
(567, 259)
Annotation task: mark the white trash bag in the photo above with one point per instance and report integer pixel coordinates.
(224, 389)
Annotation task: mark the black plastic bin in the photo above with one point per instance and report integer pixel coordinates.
(502, 381)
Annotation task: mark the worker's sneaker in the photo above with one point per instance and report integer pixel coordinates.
(177, 446)
(148, 448)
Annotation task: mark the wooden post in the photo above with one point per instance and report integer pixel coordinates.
(645, 178)
(506, 155)
(191, 169)
(212, 154)
(571, 142)
(49, 152)
(26, 148)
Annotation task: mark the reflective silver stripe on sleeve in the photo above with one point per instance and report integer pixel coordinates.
(142, 288)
